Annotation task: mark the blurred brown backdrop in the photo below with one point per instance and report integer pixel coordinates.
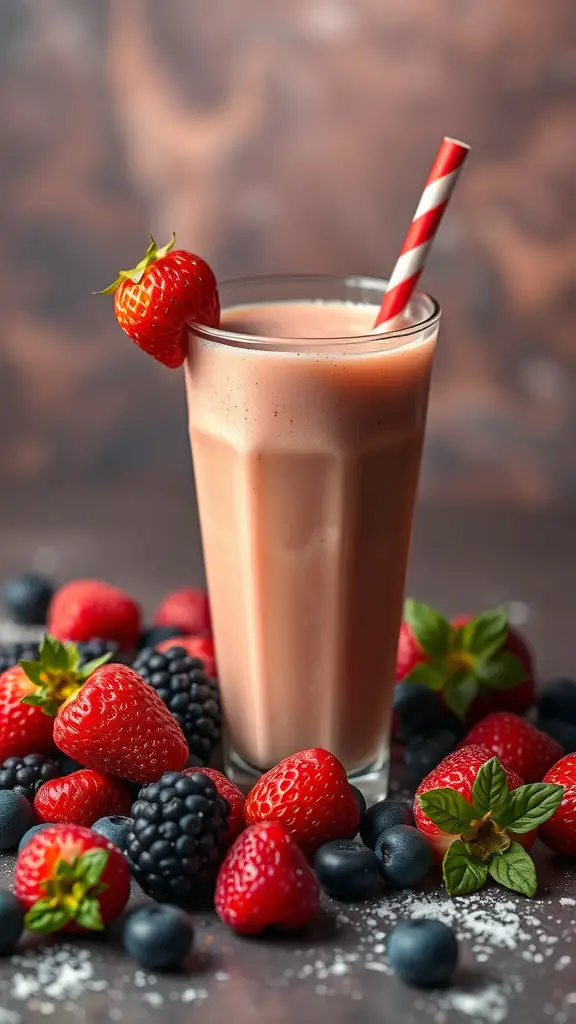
(275, 135)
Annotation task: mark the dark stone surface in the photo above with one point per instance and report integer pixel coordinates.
(518, 956)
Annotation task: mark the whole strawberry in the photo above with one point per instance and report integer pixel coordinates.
(478, 664)
(230, 793)
(309, 794)
(68, 878)
(478, 814)
(81, 798)
(516, 743)
(187, 608)
(84, 609)
(106, 716)
(23, 728)
(197, 647)
(154, 303)
(559, 832)
(266, 881)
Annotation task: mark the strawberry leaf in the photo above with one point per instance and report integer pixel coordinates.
(431, 629)
(66, 868)
(91, 867)
(91, 666)
(429, 675)
(447, 809)
(490, 791)
(459, 693)
(485, 634)
(47, 916)
(500, 671)
(462, 872)
(54, 654)
(529, 806)
(515, 870)
(33, 671)
(88, 916)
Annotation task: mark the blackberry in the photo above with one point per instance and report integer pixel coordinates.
(21, 650)
(25, 775)
(96, 647)
(179, 837)
(189, 694)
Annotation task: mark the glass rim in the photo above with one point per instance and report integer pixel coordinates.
(347, 280)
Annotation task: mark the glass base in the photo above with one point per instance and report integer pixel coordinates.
(372, 781)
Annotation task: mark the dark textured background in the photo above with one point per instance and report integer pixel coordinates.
(275, 135)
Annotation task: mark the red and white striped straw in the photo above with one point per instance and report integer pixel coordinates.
(425, 222)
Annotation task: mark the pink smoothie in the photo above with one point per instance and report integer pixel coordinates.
(306, 456)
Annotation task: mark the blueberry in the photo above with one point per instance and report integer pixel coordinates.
(558, 701)
(16, 817)
(382, 816)
(31, 833)
(156, 634)
(423, 952)
(26, 599)
(347, 869)
(416, 708)
(563, 732)
(359, 799)
(115, 828)
(404, 856)
(11, 922)
(159, 936)
(423, 753)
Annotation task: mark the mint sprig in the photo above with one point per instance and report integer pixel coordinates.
(485, 828)
(462, 662)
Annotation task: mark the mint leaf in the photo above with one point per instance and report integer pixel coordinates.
(447, 809)
(462, 872)
(91, 866)
(431, 629)
(459, 693)
(428, 675)
(515, 870)
(46, 917)
(529, 806)
(490, 790)
(485, 634)
(500, 671)
(88, 916)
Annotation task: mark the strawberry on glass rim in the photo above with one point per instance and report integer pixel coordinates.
(156, 300)
(478, 664)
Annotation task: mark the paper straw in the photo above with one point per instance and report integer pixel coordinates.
(425, 222)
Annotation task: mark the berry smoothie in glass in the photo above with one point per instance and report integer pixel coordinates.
(307, 431)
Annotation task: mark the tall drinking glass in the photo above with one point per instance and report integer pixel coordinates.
(306, 430)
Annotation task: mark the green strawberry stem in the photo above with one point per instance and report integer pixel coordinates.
(58, 674)
(485, 829)
(462, 661)
(71, 895)
(153, 253)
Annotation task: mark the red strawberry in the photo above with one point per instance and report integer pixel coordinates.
(197, 647)
(155, 302)
(81, 798)
(458, 771)
(265, 881)
(188, 609)
(71, 879)
(84, 609)
(516, 743)
(234, 798)
(480, 817)
(559, 832)
(309, 794)
(479, 664)
(117, 724)
(23, 728)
